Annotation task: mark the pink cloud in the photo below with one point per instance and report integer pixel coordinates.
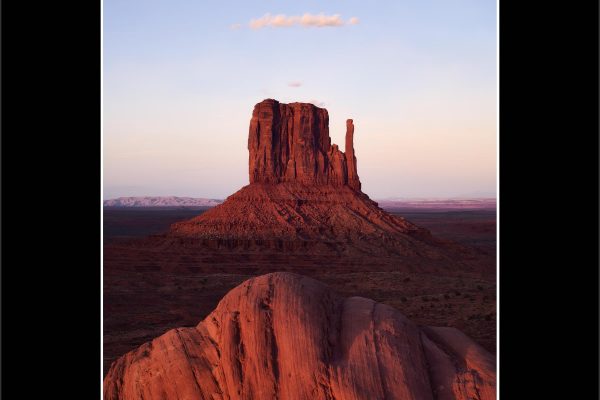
(306, 20)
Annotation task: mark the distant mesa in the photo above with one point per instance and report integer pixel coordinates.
(488, 203)
(284, 336)
(388, 203)
(164, 201)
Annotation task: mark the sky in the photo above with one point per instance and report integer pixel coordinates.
(181, 78)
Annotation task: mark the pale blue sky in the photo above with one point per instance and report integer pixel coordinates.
(181, 79)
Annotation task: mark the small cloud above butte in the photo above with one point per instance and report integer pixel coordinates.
(295, 84)
(306, 20)
(235, 26)
(317, 103)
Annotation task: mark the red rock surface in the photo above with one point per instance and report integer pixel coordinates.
(292, 215)
(291, 143)
(353, 180)
(285, 336)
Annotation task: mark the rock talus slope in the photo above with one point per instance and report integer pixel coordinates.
(285, 336)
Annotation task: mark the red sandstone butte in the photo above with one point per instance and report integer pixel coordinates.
(304, 193)
(285, 336)
(291, 143)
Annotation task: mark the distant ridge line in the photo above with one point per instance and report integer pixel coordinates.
(417, 203)
(161, 201)
(454, 203)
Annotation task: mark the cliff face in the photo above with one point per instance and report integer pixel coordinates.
(284, 336)
(291, 143)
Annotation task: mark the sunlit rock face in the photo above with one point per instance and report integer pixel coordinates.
(291, 143)
(285, 336)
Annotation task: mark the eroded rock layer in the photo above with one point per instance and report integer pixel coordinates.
(293, 214)
(285, 336)
(291, 143)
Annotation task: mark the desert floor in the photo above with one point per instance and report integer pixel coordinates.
(147, 292)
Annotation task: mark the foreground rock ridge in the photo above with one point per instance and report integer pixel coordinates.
(286, 336)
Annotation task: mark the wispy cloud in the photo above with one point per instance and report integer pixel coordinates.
(295, 84)
(306, 20)
(235, 26)
(317, 103)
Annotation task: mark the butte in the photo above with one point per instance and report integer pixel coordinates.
(305, 197)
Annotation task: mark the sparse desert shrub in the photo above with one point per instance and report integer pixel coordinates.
(403, 299)
(407, 279)
(446, 296)
(488, 317)
(425, 298)
(479, 287)
(456, 293)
